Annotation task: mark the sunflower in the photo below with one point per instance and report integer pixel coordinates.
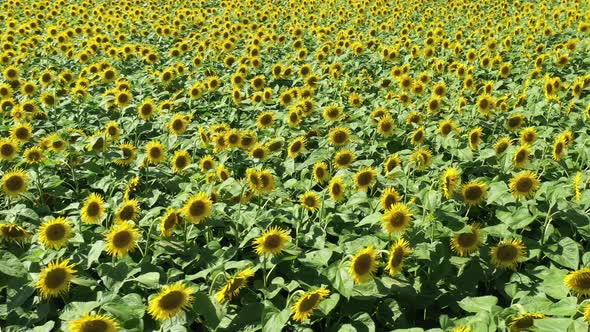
(121, 239)
(559, 147)
(93, 209)
(181, 160)
(524, 322)
(310, 200)
(21, 132)
(337, 188)
(422, 158)
(207, 163)
(474, 192)
(232, 287)
(508, 253)
(54, 280)
(365, 178)
(122, 98)
(12, 232)
(112, 130)
(364, 264)
(178, 124)
(399, 250)
(170, 301)
(397, 218)
(155, 152)
(55, 233)
(385, 125)
(414, 117)
(253, 179)
(321, 173)
(267, 181)
(344, 158)
(446, 127)
(449, 182)
(93, 323)
(339, 136)
(462, 328)
(587, 313)
(272, 241)
(389, 197)
(147, 109)
(8, 149)
(515, 121)
(197, 208)
(475, 136)
(265, 119)
(129, 154)
(528, 136)
(502, 144)
(521, 156)
(128, 211)
(15, 182)
(222, 172)
(307, 303)
(296, 147)
(391, 162)
(524, 184)
(332, 113)
(11, 74)
(169, 222)
(418, 136)
(434, 104)
(467, 243)
(259, 151)
(578, 282)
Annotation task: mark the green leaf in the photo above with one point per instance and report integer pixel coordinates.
(552, 324)
(10, 265)
(150, 279)
(477, 304)
(342, 282)
(518, 219)
(95, 252)
(48, 326)
(204, 306)
(126, 308)
(277, 321)
(565, 253)
(317, 258)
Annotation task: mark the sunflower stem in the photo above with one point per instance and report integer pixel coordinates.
(264, 258)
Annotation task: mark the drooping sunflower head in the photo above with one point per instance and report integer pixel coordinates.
(13, 232)
(422, 158)
(181, 160)
(467, 243)
(365, 178)
(272, 241)
(55, 233)
(578, 282)
(418, 136)
(128, 153)
(339, 136)
(311, 201)
(397, 218)
(121, 239)
(155, 152)
(54, 280)
(502, 144)
(232, 287)
(391, 162)
(524, 322)
(399, 250)
(364, 264)
(507, 254)
(129, 210)
(306, 304)
(91, 322)
(169, 222)
(559, 147)
(197, 208)
(15, 182)
(474, 192)
(524, 184)
(93, 209)
(449, 182)
(170, 301)
(475, 137)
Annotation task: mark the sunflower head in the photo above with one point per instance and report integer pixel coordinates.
(389, 197)
(93, 209)
(155, 152)
(128, 211)
(507, 254)
(467, 243)
(91, 322)
(169, 222)
(502, 144)
(364, 264)
(232, 287)
(339, 136)
(337, 189)
(365, 178)
(310, 200)
(178, 124)
(391, 162)
(306, 304)
(397, 218)
(54, 280)
(13, 232)
(475, 137)
(399, 250)
(524, 322)
(578, 282)
(422, 158)
(170, 301)
(449, 182)
(344, 158)
(296, 147)
(181, 160)
(121, 239)
(272, 241)
(55, 233)
(197, 208)
(321, 173)
(524, 184)
(8, 149)
(15, 182)
(474, 192)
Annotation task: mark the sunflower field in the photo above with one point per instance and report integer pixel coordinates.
(295, 165)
